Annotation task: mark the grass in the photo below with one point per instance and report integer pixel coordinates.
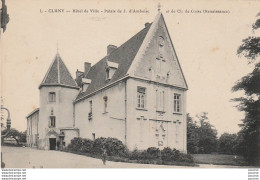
(219, 159)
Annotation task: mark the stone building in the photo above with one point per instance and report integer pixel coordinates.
(136, 93)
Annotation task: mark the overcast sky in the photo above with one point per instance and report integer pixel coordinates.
(206, 46)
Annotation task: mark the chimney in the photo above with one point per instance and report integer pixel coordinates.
(147, 24)
(110, 48)
(87, 67)
(78, 74)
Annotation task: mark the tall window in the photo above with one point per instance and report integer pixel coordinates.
(90, 111)
(105, 103)
(107, 73)
(141, 97)
(90, 106)
(160, 100)
(52, 121)
(52, 97)
(177, 103)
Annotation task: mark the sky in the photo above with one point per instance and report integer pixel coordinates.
(205, 43)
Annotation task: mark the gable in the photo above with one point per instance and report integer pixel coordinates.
(156, 59)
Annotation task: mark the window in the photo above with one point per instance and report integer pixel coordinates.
(141, 98)
(90, 106)
(105, 103)
(90, 111)
(107, 73)
(52, 121)
(160, 100)
(52, 97)
(177, 103)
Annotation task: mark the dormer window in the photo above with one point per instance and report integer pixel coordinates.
(107, 73)
(111, 68)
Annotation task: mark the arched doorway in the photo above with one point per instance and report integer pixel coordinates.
(52, 137)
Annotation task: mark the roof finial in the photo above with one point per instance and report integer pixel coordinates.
(159, 7)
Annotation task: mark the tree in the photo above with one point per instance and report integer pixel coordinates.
(192, 136)
(18, 136)
(201, 136)
(249, 134)
(207, 135)
(227, 143)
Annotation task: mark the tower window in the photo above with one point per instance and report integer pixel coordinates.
(52, 96)
(52, 121)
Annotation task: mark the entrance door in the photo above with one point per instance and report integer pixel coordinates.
(52, 143)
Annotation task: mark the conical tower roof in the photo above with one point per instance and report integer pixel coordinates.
(58, 75)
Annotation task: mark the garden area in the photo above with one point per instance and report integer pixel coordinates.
(117, 152)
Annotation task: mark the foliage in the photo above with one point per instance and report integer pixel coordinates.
(98, 145)
(116, 151)
(249, 135)
(169, 154)
(192, 136)
(81, 145)
(154, 152)
(227, 143)
(201, 136)
(17, 135)
(113, 146)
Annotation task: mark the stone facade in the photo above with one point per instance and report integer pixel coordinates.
(136, 93)
(32, 129)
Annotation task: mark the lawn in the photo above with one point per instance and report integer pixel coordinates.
(219, 159)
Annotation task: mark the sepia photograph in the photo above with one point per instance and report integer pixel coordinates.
(130, 84)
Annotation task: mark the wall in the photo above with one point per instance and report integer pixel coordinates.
(104, 124)
(141, 131)
(32, 129)
(62, 110)
(69, 134)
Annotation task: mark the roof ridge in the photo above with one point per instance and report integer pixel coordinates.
(58, 68)
(138, 33)
(123, 55)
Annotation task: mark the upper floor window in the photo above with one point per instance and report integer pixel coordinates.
(90, 111)
(105, 103)
(141, 97)
(160, 100)
(52, 121)
(90, 106)
(177, 103)
(52, 96)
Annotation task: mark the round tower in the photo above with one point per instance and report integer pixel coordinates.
(58, 90)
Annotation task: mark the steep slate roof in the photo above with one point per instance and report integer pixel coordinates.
(123, 56)
(58, 75)
(33, 112)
